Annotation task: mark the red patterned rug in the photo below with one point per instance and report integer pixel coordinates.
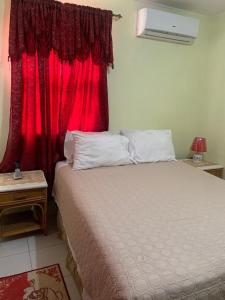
(42, 284)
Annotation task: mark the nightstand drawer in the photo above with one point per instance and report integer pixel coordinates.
(21, 196)
(216, 172)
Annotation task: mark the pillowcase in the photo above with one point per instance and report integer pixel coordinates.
(150, 145)
(92, 151)
(70, 140)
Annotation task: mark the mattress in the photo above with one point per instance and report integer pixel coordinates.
(148, 231)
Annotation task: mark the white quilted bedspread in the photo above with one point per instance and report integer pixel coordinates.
(150, 231)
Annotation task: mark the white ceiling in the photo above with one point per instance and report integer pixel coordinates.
(207, 7)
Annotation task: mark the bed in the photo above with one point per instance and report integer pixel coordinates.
(147, 231)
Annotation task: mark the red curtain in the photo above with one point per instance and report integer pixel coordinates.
(56, 84)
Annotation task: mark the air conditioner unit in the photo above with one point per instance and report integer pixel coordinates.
(161, 25)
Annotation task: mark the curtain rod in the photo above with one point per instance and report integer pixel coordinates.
(117, 16)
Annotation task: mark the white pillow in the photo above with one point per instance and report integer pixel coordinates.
(150, 145)
(92, 151)
(70, 140)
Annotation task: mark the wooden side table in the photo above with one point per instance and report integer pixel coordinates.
(209, 167)
(23, 203)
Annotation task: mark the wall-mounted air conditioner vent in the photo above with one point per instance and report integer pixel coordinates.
(156, 24)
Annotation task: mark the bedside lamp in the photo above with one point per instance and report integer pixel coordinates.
(199, 147)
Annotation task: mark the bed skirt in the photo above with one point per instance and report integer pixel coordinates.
(70, 262)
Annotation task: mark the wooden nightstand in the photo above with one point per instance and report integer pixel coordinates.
(214, 169)
(23, 203)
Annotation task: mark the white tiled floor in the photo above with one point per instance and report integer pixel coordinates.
(27, 253)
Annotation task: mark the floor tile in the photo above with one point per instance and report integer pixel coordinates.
(41, 241)
(15, 264)
(49, 256)
(71, 287)
(14, 246)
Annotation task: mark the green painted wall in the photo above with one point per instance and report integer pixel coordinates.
(157, 84)
(154, 84)
(214, 117)
(4, 74)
